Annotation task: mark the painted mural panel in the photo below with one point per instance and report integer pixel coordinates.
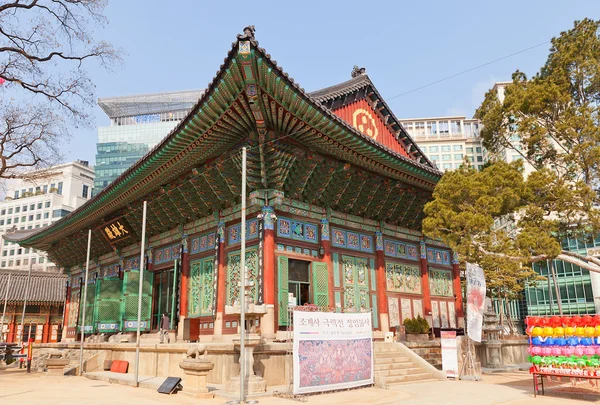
(234, 269)
(452, 315)
(394, 312)
(403, 278)
(440, 283)
(406, 310)
(444, 314)
(435, 314)
(418, 308)
(201, 286)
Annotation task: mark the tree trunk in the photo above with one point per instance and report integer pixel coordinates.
(556, 289)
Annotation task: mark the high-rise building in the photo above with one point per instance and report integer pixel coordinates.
(36, 200)
(448, 141)
(137, 124)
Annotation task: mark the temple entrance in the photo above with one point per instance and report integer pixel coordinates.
(162, 297)
(299, 281)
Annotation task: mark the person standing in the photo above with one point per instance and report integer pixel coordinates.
(164, 328)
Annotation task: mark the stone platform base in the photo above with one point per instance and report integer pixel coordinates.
(199, 395)
(255, 385)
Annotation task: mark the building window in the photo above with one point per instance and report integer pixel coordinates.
(10, 210)
(33, 260)
(45, 189)
(47, 204)
(457, 147)
(480, 158)
(38, 216)
(478, 149)
(435, 157)
(458, 156)
(3, 212)
(39, 206)
(455, 127)
(433, 149)
(446, 148)
(444, 128)
(470, 158)
(447, 166)
(447, 157)
(9, 221)
(10, 263)
(41, 260)
(31, 217)
(17, 262)
(16, 220)
(84, 193)
(4, 263)
(469, 150)
(60, 187)
(12, 252)
(46, 215)
(18, 209)
(431, 127)
(32, 207)
(516, 157)
(1, 222)
(4, 253)
(16, 194)
(479, 167)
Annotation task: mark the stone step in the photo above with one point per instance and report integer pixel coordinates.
(385, 355)
(407, 378)
(399, 372)
(393, 366)
(390, 360)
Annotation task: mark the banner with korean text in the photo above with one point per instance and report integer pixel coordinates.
(332, 351)
(475, 301)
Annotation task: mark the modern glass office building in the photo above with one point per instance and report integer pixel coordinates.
(137, 124)
(579, 289)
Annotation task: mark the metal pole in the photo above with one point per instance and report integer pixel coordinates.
(85, 285)
(243, 283)
(25, 304)
(140, 291)
(4, 309)
(556, 290)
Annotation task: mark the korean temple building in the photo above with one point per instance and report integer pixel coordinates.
(336, 194)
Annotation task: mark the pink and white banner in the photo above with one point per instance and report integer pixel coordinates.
(475, 301)
(332, 351)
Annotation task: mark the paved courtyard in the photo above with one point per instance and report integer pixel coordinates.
(506, 388)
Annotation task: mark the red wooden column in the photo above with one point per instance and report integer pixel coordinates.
(221, 280)
(185, 276)
(458, 300)
(11, 330)
(46, 329)
(425, 284)
(382, 302)
(327, 258)
(268, 217)
(66, 312)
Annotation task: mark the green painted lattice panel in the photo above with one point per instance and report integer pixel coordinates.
(356, 283)
(108, 307)
(336, 270)
(282, 296)
(201, 287)
(89, 309)
(320, 284)
(129, 306)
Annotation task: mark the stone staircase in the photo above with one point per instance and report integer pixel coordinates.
(430, 350)
(394, 363)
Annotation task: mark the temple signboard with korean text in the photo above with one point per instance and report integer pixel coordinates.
(116, 230)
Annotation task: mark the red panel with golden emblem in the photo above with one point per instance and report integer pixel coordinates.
(362, 117)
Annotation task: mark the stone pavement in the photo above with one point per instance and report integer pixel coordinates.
(502, 388)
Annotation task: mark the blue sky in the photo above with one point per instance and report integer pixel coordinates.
(180, 44)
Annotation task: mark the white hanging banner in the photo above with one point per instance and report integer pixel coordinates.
(332, 351)
(475, 301)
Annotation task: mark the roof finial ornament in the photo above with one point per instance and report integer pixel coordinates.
(248, 33)
(357, 71)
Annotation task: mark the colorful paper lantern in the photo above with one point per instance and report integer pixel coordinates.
(569, 331)
(559, 331)
(590, 331)
(548, 331)
(586, 320)
(576, 320)
(537, 331)
(555, 321)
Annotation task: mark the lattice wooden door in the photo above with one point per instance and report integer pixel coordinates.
(320, 284)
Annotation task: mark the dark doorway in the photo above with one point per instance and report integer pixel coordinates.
(299, 280)
(162, 297)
